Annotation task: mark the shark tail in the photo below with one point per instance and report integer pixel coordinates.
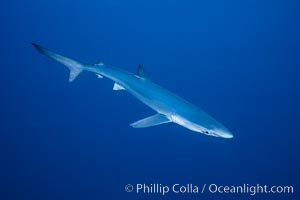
(74, 66)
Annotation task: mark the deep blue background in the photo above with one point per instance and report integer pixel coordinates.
(237, 60)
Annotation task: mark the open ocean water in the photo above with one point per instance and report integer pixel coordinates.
(237, 60)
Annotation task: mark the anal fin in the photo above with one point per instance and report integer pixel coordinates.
(99, 76)
(153, 120)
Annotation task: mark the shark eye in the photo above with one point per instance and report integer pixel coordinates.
(206, 132)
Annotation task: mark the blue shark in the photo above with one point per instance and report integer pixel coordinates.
(168, 106)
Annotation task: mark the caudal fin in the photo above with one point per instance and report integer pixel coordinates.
(74, 66)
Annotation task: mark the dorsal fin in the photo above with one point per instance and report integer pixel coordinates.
(141, 72)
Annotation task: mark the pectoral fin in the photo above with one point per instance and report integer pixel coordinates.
(153, 120)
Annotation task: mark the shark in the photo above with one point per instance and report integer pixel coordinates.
(169, 107)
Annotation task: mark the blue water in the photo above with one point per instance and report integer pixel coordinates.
(237, 60)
